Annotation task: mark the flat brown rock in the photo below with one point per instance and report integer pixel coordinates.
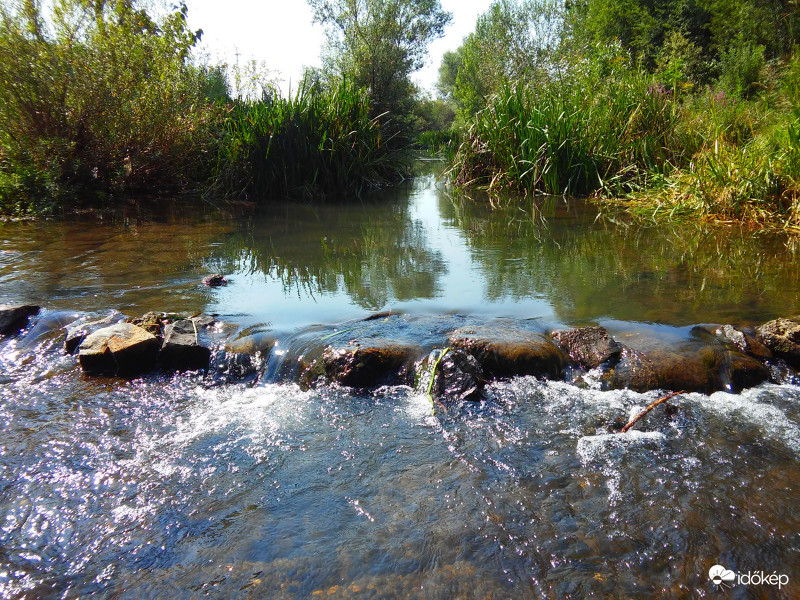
(504, 352)
(123, 349)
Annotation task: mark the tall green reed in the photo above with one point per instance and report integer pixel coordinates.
(575, 133)
(315, 144)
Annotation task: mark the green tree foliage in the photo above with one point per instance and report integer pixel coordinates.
(512, 41)
(379, 43)
(97, 94)
(711, 38)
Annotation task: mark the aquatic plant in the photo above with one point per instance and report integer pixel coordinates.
(552, 137)
(315, 144)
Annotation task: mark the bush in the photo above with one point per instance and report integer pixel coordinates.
(741, 66)
(98, 96)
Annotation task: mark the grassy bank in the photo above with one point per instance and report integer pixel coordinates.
(674, 113)
(661, 151)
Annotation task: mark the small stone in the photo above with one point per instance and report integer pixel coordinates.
(151, 322)
(214, 280)
(123, 349)
(14, 318)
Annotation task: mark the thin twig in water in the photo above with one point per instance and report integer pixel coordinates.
(648, 409)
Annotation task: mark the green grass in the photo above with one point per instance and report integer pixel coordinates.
(571, 135)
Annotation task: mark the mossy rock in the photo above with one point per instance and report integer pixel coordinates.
(504, 353)
(367, 366)
(589, 347)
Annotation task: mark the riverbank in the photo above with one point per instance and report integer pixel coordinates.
(667, 153)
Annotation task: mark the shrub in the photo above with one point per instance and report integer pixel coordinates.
(97, 96)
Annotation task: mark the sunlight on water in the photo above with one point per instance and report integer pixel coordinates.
(192, 485)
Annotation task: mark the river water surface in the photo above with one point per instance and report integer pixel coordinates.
(188, 486)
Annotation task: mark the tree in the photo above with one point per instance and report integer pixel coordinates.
(379, 43)
(513, 40)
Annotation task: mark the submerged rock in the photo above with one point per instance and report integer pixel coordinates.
(236, 368)
(123, 349)
(49, 325)
(181, 350)
(743, 341)
(589, 347)
(706, 369)
(782, 337)
(634, 371)
(382, 362)
(458, 376)
(14, 318)
(503, 352)
(256, 343)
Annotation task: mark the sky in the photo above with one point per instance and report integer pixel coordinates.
(280, 33)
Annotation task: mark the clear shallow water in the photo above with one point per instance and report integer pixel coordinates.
(171, 486)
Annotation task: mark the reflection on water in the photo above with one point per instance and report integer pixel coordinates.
(170, 486)
(416, 249)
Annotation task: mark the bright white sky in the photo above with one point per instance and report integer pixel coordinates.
(280, 33)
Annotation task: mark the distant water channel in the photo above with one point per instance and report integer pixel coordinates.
(184, 487)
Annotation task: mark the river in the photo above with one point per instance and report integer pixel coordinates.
(186, 486)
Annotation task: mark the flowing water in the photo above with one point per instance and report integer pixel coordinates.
(185, 486)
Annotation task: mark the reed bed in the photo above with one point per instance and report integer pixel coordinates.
(570, 136)
(623, 137)
(313, 145)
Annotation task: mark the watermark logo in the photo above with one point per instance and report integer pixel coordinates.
(721, 576)
(725, 578)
